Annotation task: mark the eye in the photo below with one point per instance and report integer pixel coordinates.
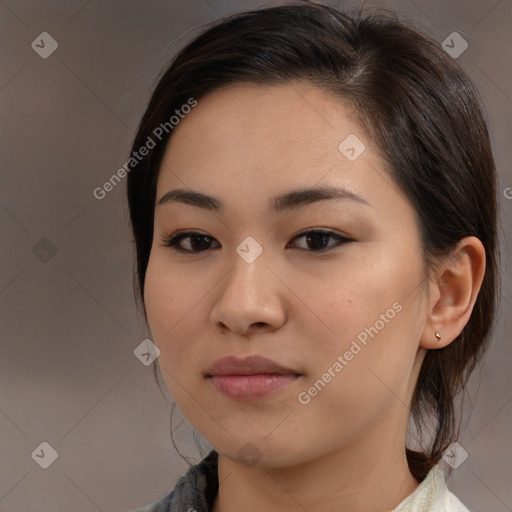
(195, 242)
(319, 237)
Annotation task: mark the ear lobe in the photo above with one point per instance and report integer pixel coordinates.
(453, 293)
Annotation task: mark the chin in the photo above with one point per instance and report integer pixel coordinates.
(262, 452)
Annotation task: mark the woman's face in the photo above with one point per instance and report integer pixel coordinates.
(345, 320)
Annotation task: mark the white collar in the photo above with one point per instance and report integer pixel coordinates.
(432, 495)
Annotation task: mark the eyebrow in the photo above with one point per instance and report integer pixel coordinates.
(290, 200)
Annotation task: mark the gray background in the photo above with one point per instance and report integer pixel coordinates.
(69, 325)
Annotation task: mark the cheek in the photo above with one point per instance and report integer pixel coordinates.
(369, 314)
(170, 304)
(168, 295)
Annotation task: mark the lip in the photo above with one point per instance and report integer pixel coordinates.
(250, 365)
(249, 378)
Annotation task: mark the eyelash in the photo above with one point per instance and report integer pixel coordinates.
(173, 241)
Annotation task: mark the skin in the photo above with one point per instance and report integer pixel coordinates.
(345, 449)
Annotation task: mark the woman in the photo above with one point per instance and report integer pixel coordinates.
(314, 218)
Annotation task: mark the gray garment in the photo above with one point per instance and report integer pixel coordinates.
(197, 489)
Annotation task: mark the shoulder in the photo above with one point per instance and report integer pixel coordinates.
(432, 495)
(195, 490)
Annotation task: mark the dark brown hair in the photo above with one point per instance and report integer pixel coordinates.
(419, 108)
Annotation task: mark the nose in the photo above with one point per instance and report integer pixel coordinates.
(250, 298)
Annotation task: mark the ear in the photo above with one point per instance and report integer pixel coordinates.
(453, 289)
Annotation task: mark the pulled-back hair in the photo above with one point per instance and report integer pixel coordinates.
(420, 110)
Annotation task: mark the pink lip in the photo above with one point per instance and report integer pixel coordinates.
(249, 378)
(251, 387)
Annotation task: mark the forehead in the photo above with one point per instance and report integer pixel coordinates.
(245, 117)
(257, 140)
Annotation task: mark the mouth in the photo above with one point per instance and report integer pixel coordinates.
(250, 378)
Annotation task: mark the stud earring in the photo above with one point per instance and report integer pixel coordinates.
(438, 336)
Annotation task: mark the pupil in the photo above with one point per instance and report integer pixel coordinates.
(319, 237)
(195, 245)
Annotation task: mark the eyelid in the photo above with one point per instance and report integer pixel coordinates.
(323, 230)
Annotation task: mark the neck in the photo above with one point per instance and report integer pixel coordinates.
(357, 478)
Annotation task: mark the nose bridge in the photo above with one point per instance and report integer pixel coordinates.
(249, 267)
(249, 294)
